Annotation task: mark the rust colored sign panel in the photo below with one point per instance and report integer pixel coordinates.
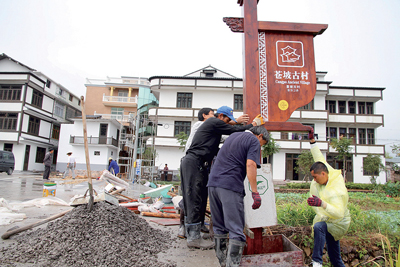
(287, 73)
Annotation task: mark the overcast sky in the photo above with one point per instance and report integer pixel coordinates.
(71, 40)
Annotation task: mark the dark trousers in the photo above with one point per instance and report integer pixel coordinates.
(46, 173)
(227, 212)
(322, 236)
(194, 189)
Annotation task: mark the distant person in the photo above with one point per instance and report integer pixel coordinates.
(71, 165)
(239, 157)
(113, 166)
(166, 172)
(329, 199)
(47, 164)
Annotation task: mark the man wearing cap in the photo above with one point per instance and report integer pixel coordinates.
(47, 164)
(194, 171)
(113, 167)
(238, 157)
(71, 165)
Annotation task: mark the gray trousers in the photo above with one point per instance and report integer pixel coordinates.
(67, 171)
(227, 212)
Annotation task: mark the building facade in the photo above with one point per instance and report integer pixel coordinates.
(31, 113)
(335, 111)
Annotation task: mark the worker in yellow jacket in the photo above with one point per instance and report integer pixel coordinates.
(329, 198)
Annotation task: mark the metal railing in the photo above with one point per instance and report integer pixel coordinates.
(93, 140)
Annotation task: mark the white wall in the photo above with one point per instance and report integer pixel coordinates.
(358, 171)
(170, 156)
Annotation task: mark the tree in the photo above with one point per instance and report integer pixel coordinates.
(396, 150)
(182, 139)
(304, 162)
(372, 165)
(342, 147)
(270, 148)
(149, 156)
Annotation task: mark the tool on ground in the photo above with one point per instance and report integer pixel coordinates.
(8, 234)
(91, 199)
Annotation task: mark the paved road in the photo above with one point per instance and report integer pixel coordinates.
(24, 186)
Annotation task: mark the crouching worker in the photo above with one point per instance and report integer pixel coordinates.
(329, 198)
(238, 157)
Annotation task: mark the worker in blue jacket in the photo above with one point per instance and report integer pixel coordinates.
(113, 166)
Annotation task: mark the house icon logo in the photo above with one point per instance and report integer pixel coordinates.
(290, 54)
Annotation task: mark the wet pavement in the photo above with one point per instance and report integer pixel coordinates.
(24, 186)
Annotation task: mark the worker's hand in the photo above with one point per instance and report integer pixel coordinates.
(311, 134)
(257, 200)
(244, 119)
(258, 120)
(314, 201)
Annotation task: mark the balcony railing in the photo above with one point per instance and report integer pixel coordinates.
(121, 100)
(118, 117)
(93, 140)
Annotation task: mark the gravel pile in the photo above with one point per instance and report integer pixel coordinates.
(109, 235)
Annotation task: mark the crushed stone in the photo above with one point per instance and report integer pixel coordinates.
(109, 235)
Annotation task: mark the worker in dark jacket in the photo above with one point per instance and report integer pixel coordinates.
(194, 170)
(47, 164)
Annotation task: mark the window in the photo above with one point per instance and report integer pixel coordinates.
(284, 135)
(238, 102)
(209, 74)
(371, 136)
(8, 147)
(8, 121)
(40, 153)
(10, 92)
(352, 107)
(342, 132)
(79, 102)
(361, 107)
(309, 106)
(182, 126)
(56, 132)
(59, 109)
(37, 98)
(370, 108)
(184, 100)
(332, 132)
(34, 124)
(71, 97)
(352, 134)
(332, 106)
(117, 113)
(361, 137)
(367, 173)
(60, 91)
(71, 113)
(48, 83)
(342, 106)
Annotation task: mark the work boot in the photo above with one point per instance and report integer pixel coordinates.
(182, 232)
(316, 264)
(194, 239)
(235, 251)
(221, 247)
(204, 229)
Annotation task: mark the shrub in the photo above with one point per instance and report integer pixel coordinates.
(392, 189)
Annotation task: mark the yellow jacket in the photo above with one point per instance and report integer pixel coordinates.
(334, 194)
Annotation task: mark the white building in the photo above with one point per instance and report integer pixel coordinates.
(102, 140)
(334, 111)
(31, 113)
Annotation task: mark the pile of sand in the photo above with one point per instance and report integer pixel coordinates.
(107, 236)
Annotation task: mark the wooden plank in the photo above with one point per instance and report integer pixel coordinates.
(166, 222)
(314, 29)
(251, 81)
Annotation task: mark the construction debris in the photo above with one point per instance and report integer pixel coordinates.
(109, 235)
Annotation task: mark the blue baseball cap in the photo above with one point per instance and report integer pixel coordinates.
(226, 111)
